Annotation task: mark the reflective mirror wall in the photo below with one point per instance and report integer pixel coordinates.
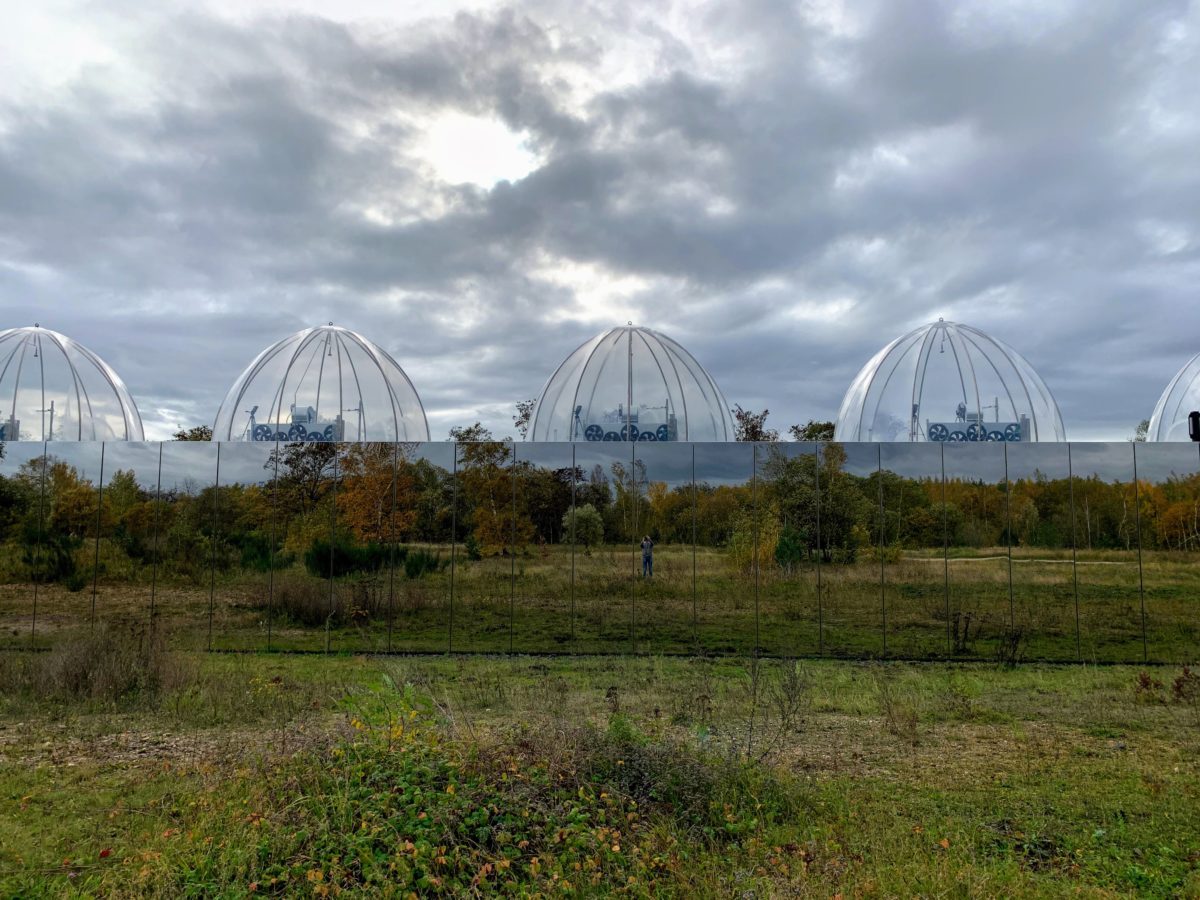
(1002, 551)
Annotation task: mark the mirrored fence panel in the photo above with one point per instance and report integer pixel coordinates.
(848, 529)
(1169, 519)
(365, 541)
(911, 550)
(605, 571)
(300, 484)
(1042, 538)
(982, 614)
(67, 573)
(727, 612)
(547, 523)
(788, 553)
(184, 591)
(127, 548)
(665, 604)
(24, 574)
(991, 551)
(423, 564)
(244, 550)
(484, 585)
(1111, 610)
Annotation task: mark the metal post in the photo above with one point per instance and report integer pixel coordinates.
(332, 544)
(37, 547)
(453, 542)
(212, 572)
(512, 554)
(392, 544)
(1137, 523)
(882, 529)
(574, 490)
(1074, 552)
(820, 586)
(271, 548)
(754, 519)
(946, 555)
(96, 558)
(1012, 609)
(695, 586)
(154, 558)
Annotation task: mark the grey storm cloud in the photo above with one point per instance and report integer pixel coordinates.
(786, 186)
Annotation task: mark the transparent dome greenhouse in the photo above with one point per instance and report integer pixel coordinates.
(948, 382)
(631, 384)
(1182, 395)
(55, 389)
(322, 384)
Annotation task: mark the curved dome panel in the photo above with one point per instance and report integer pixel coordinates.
(948, 382)
(1181, 396)
(631, 383)
(322, 384)
(54, 389)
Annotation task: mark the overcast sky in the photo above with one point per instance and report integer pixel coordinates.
(782, 188)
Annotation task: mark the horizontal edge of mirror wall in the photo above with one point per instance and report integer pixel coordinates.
(24, 572)
(1169, 526)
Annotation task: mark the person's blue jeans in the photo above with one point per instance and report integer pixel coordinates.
(647, 566)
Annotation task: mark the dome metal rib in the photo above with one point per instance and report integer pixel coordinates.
(631, 383)
(299, 388)
(71, 394)
(948, 382)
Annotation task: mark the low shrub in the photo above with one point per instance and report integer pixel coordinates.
(119, 666)
(303, 601)
(421, 562)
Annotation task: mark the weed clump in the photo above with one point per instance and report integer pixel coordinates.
(121, 666)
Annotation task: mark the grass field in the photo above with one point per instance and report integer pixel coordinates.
(1100, 606)
(128, 770)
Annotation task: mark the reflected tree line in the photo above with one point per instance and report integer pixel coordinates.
(349, 503)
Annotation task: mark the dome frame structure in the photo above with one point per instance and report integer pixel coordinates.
(1169, 421)
(318, 364)
(95, 403)
(631, 383)
(887, 399)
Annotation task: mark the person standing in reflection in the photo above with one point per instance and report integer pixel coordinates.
(647, 557)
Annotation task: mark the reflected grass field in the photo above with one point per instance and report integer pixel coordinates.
(554, 600)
